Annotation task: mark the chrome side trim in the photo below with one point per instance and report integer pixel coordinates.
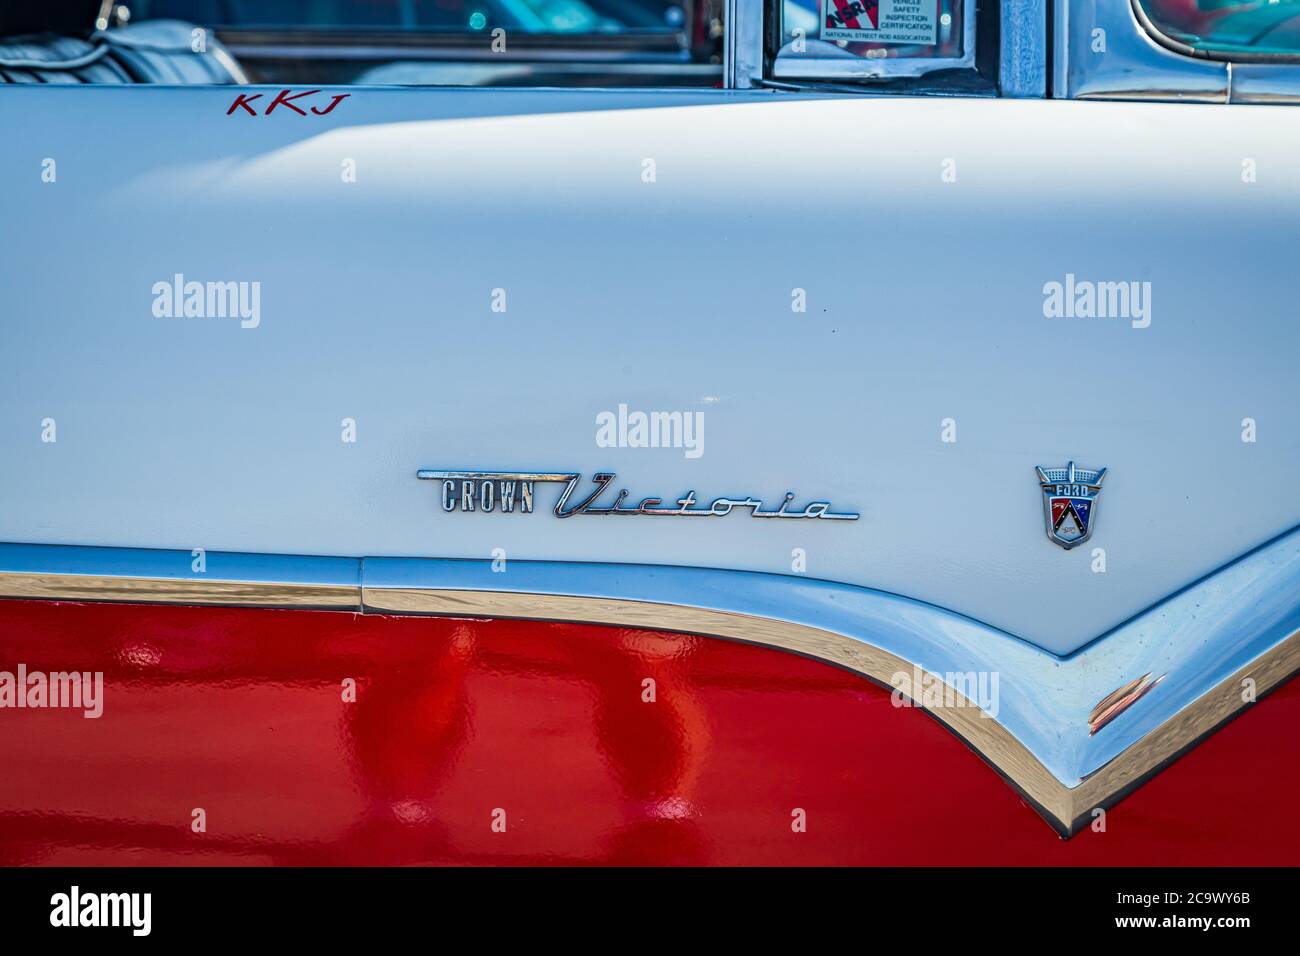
(145, 575)
(1040, 730)
(1166, 742)
(1120, 700)
(1022, 64)
(742, 45)
(1067, 808)
(1132, 65)
(1243, 621)
(1265, 83)
(987, 736)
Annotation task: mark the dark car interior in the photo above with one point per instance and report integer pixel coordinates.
(61, 41)
(424, 42)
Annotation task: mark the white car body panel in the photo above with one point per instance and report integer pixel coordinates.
(924, 302)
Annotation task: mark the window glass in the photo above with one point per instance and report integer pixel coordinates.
(535, 43)
(1227, 28)
(874, 29)
(467, 16)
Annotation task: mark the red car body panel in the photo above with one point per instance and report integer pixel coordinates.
(545, 729)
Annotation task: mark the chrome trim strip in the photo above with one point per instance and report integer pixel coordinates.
(1241, 621)
(71, 573)
(1120, 700)
(1196, 638)
(987, 736)
(1179, 733)
(1022, 64)
(742, 45)
(1067, 808)
(1265, 83)
(1060, 48)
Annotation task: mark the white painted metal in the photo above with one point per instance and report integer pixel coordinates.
(924, 302)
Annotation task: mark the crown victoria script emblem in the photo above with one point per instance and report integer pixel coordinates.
(508, 491)
(1070, 502)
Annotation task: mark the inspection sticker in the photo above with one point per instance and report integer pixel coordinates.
(880, 21)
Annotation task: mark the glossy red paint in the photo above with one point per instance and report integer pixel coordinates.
(240, 712)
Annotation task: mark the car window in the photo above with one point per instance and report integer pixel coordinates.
(468, 16)
(536, 43)
(1229, 29)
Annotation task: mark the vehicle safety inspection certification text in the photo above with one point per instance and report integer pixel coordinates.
(880, 21)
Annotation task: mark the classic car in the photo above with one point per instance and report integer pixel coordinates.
(456, 431)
